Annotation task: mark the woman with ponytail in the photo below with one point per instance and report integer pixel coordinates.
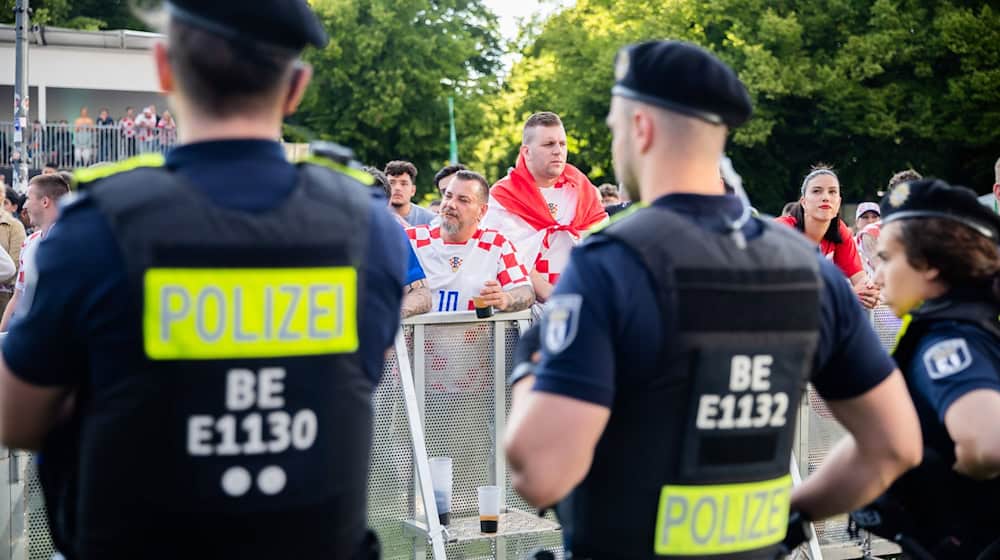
(817, 216)
(940, 271)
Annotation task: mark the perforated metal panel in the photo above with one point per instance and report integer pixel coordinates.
(40, 545)
(456, 375)
(886, 325)
(823, 430)
(390, 479)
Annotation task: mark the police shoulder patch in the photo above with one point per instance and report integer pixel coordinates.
(561, 322)
(947, 357)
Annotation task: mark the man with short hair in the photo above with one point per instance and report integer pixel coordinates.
(544, 205)
(127, 127)
(42, 205)
(678, 342)
(444, 176)
(105, 143)
(222, 317)
(83, 139)
(146, 127)
(463, 260)
(402, 187)
(609, 194)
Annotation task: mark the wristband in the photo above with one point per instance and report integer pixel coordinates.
(524, 369)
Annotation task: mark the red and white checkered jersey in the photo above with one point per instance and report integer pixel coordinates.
(146, 127)
(547, 254)
(457, 271)
(127, 126)
(26, 271)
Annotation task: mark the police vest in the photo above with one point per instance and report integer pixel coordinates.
(973, 507)
(245, 395)
(695, 463)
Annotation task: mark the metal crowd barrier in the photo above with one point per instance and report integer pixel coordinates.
(459, 366)
(818, 432)
(67, 146)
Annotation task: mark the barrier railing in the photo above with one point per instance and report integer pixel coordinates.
(459, 366)
(69, 146)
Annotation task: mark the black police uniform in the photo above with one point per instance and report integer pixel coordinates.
(222, 366)
(949, 346)
(700, 342)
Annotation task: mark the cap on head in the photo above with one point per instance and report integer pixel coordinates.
(284, 23)
(933, 198)
(867, 207)
(684, 78)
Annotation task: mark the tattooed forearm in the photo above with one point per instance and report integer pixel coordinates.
(521, 298)
(416, 299)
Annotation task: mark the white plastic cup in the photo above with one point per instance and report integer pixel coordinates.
(489, 508)
(441, 480)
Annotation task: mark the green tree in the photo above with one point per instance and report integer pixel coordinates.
(871, 86)
(78, 14)
(381, 85)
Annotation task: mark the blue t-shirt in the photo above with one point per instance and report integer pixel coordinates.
(617, 339)
(78, 320)
(414, 271)
(952, 359)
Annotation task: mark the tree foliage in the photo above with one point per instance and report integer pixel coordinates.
(77, 14)
(871, 86)
(381, 85)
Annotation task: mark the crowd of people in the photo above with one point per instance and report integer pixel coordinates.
(86, 140)
(223, 316)
(542, 208)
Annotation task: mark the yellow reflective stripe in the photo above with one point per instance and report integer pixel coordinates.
(356, 174)
(632, 209)
(722, 518)
(907, 319)
(91, 174)
(207, 314)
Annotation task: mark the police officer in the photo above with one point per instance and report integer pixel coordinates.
(679, 341)
(941, 272)
(196, 327)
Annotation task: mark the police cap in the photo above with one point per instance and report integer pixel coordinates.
(284, 23)
(684, 78)
(933, 198)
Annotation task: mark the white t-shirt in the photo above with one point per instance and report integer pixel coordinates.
(549, 256)
(26, 271)
(27, 274)
(457, 271)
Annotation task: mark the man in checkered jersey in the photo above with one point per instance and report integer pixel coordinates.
(544, 205)
(462, 260)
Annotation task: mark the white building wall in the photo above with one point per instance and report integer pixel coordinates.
(77, 76)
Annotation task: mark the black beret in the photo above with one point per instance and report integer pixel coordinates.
(933, 198)
(684, 78)
(285, 23)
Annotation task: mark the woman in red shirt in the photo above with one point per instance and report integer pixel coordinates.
(817, 217)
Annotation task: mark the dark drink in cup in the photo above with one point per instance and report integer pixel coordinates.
(483, 311)
(489, 523)
(489, 508)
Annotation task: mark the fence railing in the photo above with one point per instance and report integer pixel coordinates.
(459, 366)
(69, 146)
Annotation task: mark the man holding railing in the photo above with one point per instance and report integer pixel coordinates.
(105, 141)
(83, 139)
(463, 261)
